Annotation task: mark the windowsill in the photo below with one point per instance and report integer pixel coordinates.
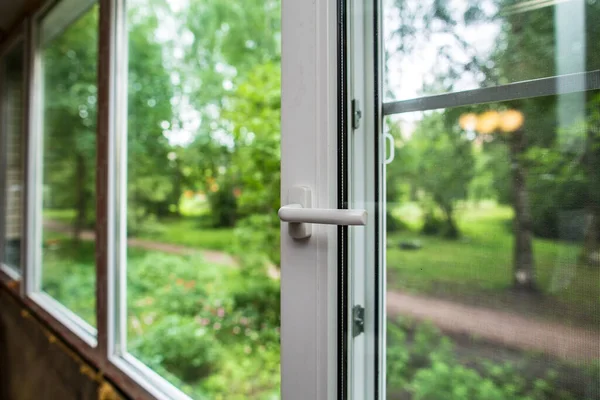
(10, 279)
(66, 318)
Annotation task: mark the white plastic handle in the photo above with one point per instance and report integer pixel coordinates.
(390, 139)
(297, 213)
(300, 215)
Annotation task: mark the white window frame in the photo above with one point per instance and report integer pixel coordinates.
(35, 158)
(309, 271)
(18, 38)
(366, 164)
(309, 290)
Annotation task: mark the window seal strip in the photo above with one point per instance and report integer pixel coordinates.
(342, 200)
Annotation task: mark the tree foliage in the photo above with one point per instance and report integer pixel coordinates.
(443, 167)
(70, 112)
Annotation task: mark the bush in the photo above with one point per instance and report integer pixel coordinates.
(139, 221)
(180, 345)
(177, 284)
(432, 225)
(397, 358)
(257, 241)
(557, 186)
(223, 205)
(212, 330)
(247, 370)
(394, 224)
(443, 381)
(422, 364)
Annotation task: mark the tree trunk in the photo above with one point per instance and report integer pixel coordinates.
(523, 264)
(81, 202)
(590, 253)
(451, 231)
(177, 189)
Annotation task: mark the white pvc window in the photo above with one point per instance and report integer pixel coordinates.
(476, 151)
(62, 164)
(68, 125)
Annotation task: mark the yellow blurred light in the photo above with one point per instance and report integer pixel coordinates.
(488, 122)
(511, 120)
(468, 121)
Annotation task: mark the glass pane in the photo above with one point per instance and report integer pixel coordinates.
(202, 194)
(434, 47)
(12, 130)
(69, 64)
(493, 278)
(493, 210)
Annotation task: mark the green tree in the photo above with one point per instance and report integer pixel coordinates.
(70, 65)
(255, 114)
(226, 43)
(444, 165)
(553, 125)
(153, 170)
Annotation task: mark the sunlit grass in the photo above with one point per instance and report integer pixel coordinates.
(63, 215)
(479, 265)
(191, 233)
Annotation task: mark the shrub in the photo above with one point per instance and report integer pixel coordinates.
(210, 329)
(394, 224)
(432, 225)
(423, 365)
(398, 357)
(180, 345)
(257, 240)
(443, 381)
(223, 204)
(247, 370)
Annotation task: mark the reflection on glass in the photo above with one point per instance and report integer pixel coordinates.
(493, 209)
(69, 59)
(12, 129)
(492, 253)
(433, 47)
(202, 193)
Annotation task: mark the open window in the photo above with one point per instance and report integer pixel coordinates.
(62, 163)
(476, 151)
(194, 189)
(163, 136)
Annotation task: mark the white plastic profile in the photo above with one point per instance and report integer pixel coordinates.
(392, 154)
(300, 215)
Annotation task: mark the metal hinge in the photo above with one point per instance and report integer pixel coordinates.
(358, 320)
(356, 114)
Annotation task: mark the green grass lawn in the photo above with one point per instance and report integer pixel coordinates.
(68, 274)
(478, 269)
(67, 216)
(189, 231)
(168, 299)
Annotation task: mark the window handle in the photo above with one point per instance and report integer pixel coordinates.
(300, 215)
(390, 139)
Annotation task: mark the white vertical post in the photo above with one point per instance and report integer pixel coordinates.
(308, 146)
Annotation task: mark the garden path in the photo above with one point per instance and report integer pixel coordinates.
(509, 329)
(505, 328)
(216, 257)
